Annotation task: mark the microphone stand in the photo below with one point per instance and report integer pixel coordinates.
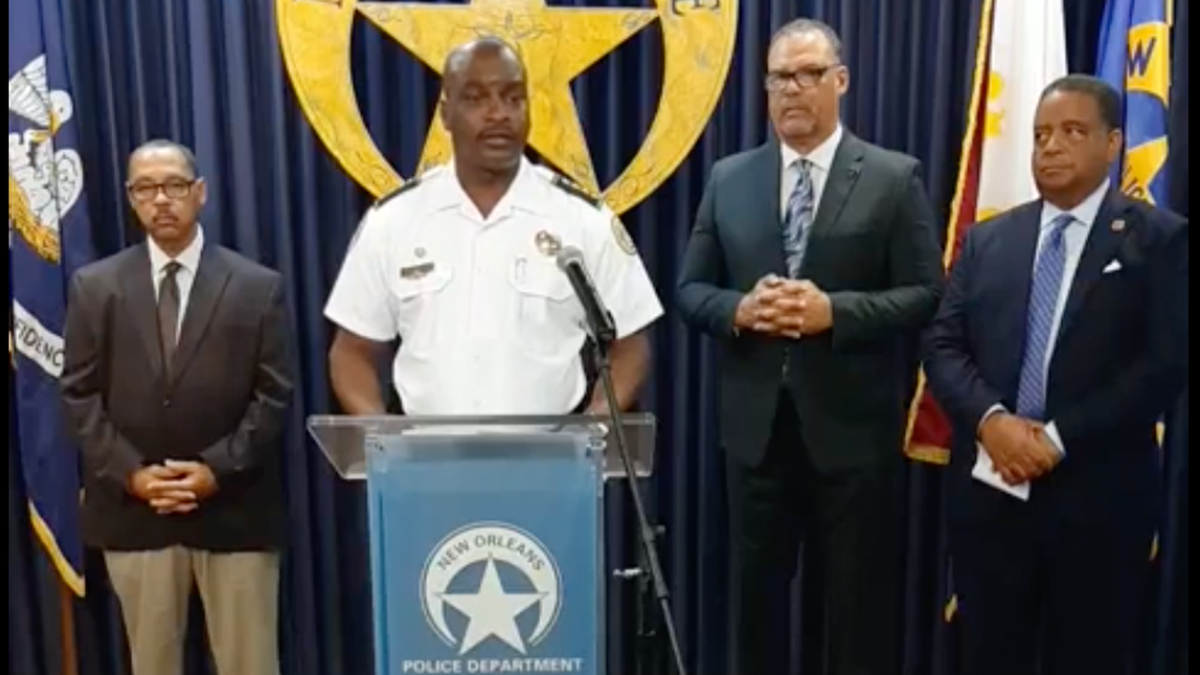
(654, 581)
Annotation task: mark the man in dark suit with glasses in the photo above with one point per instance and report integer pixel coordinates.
(814, 264)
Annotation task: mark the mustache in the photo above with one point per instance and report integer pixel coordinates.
(498, 132)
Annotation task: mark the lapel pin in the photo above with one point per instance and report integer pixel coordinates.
(1118, 225)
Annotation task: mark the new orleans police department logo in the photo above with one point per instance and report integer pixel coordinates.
(557, 43)
(492, 584)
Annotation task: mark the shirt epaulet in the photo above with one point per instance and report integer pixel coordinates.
(408, 185)
(568, 186)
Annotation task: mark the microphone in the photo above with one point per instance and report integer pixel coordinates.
(650, 577)
(599, 320)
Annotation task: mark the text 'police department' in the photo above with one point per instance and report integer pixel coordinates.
(450, 666)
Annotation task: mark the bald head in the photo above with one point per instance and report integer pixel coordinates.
(160, 145)
(460, 59)
(485, 106)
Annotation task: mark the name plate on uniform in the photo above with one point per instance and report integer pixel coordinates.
(485, 553)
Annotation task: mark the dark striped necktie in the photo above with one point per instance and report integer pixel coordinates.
(168, 312)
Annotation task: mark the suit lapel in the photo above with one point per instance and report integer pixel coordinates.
(1101, 247)
(207, 289)
(764, 210)
(138, 281)
(1014, 267)
(847, 167)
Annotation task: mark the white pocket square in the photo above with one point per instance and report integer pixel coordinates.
(1114, 266)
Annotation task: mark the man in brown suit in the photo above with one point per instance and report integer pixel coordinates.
(176, 381)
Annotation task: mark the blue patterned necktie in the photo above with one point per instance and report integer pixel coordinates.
(799, 217)
(1043, 301)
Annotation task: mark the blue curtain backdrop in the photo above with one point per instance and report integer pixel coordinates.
(209, 74)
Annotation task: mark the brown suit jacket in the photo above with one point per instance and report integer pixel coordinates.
(225, 404)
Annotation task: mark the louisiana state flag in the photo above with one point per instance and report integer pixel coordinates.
(1135, 58)
(48, 238)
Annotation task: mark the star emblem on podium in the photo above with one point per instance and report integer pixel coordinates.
(491, 611)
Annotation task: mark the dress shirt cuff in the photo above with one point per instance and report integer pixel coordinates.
(1052, 433)
(734, 331)
(994, 410)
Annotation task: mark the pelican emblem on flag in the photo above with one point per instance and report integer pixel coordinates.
(43, 183)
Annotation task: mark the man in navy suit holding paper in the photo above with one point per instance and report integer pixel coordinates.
(1061, 339)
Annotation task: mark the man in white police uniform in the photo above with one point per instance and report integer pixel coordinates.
(460, 264)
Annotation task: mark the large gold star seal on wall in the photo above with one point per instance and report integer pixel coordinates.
(557, 43)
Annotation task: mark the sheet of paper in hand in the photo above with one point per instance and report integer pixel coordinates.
(986, 472)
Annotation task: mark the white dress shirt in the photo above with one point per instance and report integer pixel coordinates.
(189, 263)
(1075, 237)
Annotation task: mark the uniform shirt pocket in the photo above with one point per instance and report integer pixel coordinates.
(547, 315)
(417, 304)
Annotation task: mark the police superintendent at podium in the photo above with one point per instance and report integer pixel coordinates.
(460, 264)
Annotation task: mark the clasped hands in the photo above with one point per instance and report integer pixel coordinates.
(1019, 448)
(785, 308)
(174, 486)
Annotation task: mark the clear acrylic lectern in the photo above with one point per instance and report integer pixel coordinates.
(486, 536)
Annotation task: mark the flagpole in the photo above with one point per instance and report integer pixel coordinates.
(70, 662)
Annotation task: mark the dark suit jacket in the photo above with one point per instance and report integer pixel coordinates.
(1120, 358)
(225, 406)
(872, 248)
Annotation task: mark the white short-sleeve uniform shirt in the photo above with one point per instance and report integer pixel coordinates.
(488, 323)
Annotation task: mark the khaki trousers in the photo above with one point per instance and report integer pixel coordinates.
(240, 592)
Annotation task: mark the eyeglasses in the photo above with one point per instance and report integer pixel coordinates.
(805, 78)
(174, 189)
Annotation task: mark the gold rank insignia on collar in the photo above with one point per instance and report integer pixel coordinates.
(547, 244)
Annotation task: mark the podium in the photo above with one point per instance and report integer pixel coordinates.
(486, 536)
